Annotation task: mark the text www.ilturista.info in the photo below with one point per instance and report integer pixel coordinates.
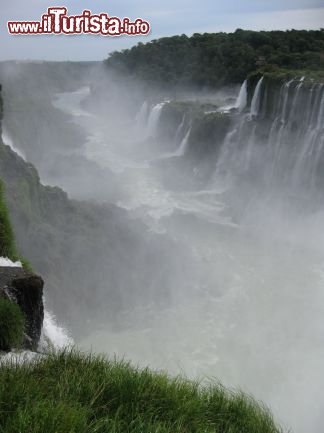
(56, 22)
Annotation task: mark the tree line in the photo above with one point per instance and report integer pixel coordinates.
(216, 59)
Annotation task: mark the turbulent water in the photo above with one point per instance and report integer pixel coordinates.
(53, 337)
(4, 261)
(249, 310)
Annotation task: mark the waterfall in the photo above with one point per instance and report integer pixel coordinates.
(183, 145)
(153, 119)
(182, 148)
(8, 141)
(285, 148)
(241, 100)
(256, 100)
(311, 153)
(141, 118)
(296, 97)
(179, 129)
(53, 335)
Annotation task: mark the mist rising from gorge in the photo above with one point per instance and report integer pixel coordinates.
(232, 213)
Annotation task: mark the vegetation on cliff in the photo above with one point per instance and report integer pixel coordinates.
(71, 392)
(69, 241)
(215, 59)
(12, 325)
(7, 241)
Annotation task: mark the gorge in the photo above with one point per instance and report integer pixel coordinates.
(190, 235)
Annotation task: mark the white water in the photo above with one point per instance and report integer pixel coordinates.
(53, 337)
(72, 104)
(8, 141)
(241, 101)
(255, 103)
(141, 118)
(4, 261)
(153, 119)
(19, 357)
(250, 309)
(179, 130)
(184, 144)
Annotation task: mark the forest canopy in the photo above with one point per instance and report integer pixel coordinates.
(216, 59)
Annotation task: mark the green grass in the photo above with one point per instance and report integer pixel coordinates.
(11, 325)
(73, 392)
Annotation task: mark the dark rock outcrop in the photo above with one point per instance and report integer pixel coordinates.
(25, 289)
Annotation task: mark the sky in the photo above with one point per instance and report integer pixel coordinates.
(167, 18)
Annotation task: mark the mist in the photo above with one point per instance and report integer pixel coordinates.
(230, 204)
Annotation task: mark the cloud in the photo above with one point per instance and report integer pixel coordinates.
(298, 19)
(167, 18)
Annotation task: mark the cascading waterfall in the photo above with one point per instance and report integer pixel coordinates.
(241, 101)
(308, 162)
(141, 118)
(53, 335)
(180, 129)
(298, 136)
(286, 146)
(182, 147)
(278, 128)
(248, 308)
(184, 144)
(256, 100)
(153, 119)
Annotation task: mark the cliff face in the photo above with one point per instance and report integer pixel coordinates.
(47, 136)
(25, 289)
(1, 110)
(94, 259)
(287, 132)
(208, 127)
(17, 284)
(277, 139)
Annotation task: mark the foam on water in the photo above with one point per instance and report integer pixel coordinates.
(4, 261)
(19, 357)
(71, 102)
(53, 335)
(251, 313)
(239, 329)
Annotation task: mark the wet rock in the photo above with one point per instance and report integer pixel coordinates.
(25, 289)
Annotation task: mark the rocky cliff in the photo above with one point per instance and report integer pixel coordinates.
(19, 285)
(82, 249)
(276, 138)
(26, 290)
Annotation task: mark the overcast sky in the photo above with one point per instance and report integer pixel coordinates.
(167, 18)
